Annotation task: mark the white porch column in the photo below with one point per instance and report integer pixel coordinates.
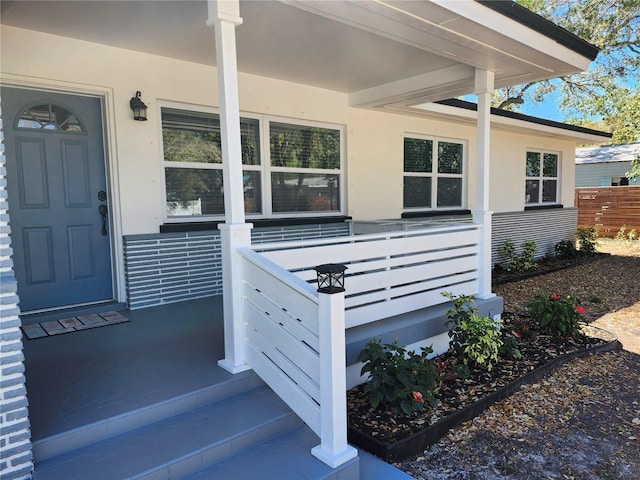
(333, 449)
(224, 15)
(481, 214)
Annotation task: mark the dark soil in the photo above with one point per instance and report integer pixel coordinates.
(455, 393)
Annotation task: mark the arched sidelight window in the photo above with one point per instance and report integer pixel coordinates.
(49, 117)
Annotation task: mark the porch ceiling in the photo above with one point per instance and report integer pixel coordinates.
(381, 53)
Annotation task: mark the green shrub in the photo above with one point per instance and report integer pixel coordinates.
(523, 261)
(557, 315)
(474, 339)
(587, 241)
(509, 347)
(399, 379)
(565, 249)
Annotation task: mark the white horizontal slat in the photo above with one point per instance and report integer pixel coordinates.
(308, 385)
(299, 298)
(300, 403)
(293, 348)
(400, 276)
(346, 253)
(297, 327)
(392, 293)
(407, 259)
(371, 313)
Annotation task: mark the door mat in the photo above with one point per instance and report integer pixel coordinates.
(72, 324)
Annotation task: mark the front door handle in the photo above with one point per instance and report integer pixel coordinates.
(102, 209)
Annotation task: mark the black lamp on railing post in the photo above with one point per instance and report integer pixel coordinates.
(330, 277)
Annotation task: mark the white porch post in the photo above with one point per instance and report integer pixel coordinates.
(333, 449)
(481, 214)
(224, 15)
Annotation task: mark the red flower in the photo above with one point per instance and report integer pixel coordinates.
(554, 296)
(580, 309)
(516, 334)
(417, 396)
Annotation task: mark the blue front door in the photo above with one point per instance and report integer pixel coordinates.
(58, 200)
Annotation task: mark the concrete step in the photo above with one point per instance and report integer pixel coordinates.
(180, 445)
(286, 457)
(73, 439)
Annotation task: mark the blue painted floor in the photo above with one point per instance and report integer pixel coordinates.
(80, 378)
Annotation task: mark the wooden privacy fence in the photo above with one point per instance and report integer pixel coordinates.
(608, 209)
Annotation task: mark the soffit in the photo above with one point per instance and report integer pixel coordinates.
(381, 53)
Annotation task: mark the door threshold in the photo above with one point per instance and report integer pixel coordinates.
(36, 316)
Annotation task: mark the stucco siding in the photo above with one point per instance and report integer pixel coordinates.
(374, 140)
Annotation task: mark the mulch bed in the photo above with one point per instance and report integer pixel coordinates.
(392, 435)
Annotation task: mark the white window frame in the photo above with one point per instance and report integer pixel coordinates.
(264, 166)
(541, 178)
(435, 175)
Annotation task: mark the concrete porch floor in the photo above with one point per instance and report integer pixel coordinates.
(84, 377)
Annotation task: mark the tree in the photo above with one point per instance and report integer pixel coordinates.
(610, 90)
(635, 168)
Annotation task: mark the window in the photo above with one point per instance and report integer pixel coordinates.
(542, 178)
(433, 174)
(299, 174)
(619, 181)
(49, 117)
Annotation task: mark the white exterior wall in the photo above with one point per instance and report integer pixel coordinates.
(508, 168)
(374, 140)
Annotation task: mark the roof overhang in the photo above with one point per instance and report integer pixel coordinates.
(466, 112)
(381, 53)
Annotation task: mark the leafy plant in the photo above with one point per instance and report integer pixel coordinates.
(475, 339)
(557, 315)
(565, 249)
(523, 261)
(400, 379)
(587, 241)
(509, 347)
(621, 233)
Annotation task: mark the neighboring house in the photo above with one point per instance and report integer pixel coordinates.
(335, 120)
(606, 165)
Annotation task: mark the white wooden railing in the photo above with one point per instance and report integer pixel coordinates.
(295, 336)
(391, 273)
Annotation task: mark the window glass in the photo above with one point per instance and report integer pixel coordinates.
(304, 192)
(195, 137)
(417, 192)
(193, 191)
(550, 168)
(449, 157)
(51, 117)
(549, 188)
(533, 164)
(302, 174)
(298, 146)
(428, 185)
(541, 184)
(533, 191)
(449, 192)
(418, 155)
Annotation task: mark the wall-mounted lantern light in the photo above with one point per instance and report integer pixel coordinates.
(138, 107)
(330, 277)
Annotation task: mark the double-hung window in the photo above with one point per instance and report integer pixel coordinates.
(433, 174)
(542, 178)
(288, 168)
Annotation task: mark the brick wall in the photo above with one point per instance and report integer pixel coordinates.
(16, 459)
